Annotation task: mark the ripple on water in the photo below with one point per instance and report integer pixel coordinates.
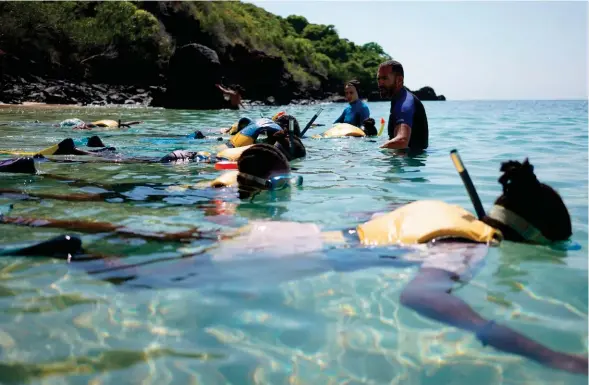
(171, 318)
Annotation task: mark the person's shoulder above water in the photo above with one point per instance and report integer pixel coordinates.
(365, 110)
(407, 127)
(356, 111)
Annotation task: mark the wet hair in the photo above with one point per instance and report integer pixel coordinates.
(536, 202)
(356, 84)
(369, 127)
(261, 160)
(243, 122)
(281, 141)
(238, 88)
(395, 66)
(282, 121)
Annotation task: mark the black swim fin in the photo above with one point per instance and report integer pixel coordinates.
(62, 247)
(19, 165)
(95, 141)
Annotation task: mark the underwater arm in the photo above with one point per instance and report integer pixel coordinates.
(429, 294)
(104, 227)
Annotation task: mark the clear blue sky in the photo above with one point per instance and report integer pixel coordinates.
(468, 49)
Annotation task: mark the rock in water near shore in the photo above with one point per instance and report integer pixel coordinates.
(264, 77)
(428, 93)
(193, 72)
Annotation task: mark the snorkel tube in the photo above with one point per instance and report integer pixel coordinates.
(381, 127)
(311, 122)
(290, 136)
(472, 192)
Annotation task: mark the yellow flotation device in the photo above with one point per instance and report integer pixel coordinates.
(423, 221)
(228, 179)
(107, 123)
(248, 134)
(232, 153)
(343, 129)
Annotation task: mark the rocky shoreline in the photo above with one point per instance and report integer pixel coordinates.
(18, 90)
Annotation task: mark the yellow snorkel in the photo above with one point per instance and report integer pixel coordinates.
(381, 127)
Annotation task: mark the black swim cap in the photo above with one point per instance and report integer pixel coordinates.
(198, 134)
(95, 141)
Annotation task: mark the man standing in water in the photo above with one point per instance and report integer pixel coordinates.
(407, 126)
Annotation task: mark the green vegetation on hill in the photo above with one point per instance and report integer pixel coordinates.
(314, 54)
(67, 36)
(131, 42)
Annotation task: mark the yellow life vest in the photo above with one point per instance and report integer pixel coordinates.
(249, 134)
(232, 154)
(343, 129)
(233, 129)
(241, 140)
(423, 221)
(228, 179)
(106, 123)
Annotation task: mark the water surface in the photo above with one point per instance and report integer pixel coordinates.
(173, 320)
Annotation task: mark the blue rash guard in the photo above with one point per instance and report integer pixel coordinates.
(407, 108)
(355, 113)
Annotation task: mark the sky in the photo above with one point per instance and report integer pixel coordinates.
(468, 50)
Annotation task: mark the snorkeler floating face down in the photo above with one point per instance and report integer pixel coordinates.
(261, 167)
(528, 210)
(78, 124)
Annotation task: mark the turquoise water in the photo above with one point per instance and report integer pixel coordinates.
(173, 320)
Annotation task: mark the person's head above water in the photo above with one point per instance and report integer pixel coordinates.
(352, 90)
(256, 165)
(390, 78)
(281, 141)
(239, 125)
(528, 210)
(283, 121)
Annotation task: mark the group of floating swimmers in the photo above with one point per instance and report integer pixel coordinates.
(446, 240)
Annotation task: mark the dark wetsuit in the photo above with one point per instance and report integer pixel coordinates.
(407, 108)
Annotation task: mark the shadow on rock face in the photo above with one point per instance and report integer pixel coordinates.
(193, 72)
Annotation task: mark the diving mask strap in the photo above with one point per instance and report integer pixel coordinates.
(518, 224)
(260, 181)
